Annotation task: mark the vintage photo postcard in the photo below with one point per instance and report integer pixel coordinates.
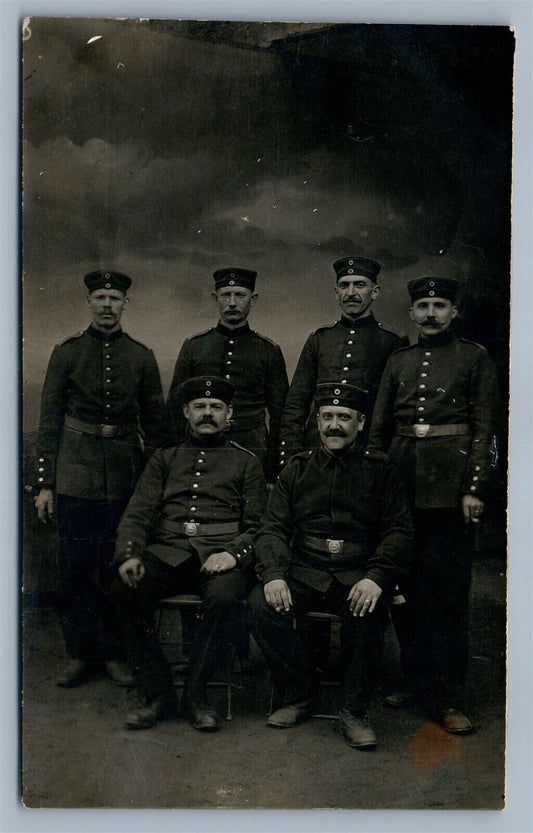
(266, 311)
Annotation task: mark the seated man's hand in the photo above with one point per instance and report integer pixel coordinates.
(44, 503)
(219, 562)
(278, 595)
(363, 597)
(131, 571)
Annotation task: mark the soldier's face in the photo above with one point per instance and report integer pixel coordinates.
(432, 315)
(207, 416)
(233, 304)
(339, 426)
(106, 306)
(355, 295)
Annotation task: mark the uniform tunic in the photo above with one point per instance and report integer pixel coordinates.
(102, 379)
(217, 490)
(357, 502)
(255, 365)
(436, 414)
(101, 394)
(350, 352)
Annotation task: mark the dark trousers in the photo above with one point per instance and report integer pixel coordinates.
(86, 543)
(432, 627)
(361, 644)
(215, 632)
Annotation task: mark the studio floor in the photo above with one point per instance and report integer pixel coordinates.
(76, 753)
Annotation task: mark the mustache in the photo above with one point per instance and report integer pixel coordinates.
(335, 432)
(207, 421)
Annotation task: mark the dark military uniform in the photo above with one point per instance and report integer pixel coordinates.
(352, 351)
(205, 496)
(256, 367)
(436, 416)
(102, 394)
(331, 521)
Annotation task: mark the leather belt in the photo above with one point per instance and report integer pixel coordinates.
(189, 529)
(423, 430)
(333, 546)
(101, 430)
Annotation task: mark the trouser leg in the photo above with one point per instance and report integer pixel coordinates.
(280, 642)
(438, 605)
(216, 629)
(135, 609)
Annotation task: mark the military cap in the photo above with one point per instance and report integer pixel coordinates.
(107, 279)
(357, 266)
(203, 387)
(347, 396)
(235, 277)
(433, 288)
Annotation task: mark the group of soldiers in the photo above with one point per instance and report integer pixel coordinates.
(354, 490)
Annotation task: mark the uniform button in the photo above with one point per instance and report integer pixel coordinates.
(478, 468)
(108, 368)
(348, 355)
(108, 405)
(473, 488)
(423, 375)
(198, 473)
(228, 362)
(230, 353)
(344, 381)
(345, 369)
(40, 479)
(421, 398)
(195, 485)
(350, 342)
(421, 419)
(421, 408)
(421, 387)
(228, 376)
(475, 478)
(106, 344)
(108, 381)
(425, 364)
(202, 453)
(108, 393)
(108, 355)
(41, 459)
(352, 332)
(427, 354)
(232, 342)
(283, 442)
(41, 469)
(194, 497)
(193, 508)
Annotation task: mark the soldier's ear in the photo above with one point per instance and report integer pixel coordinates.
(230, 411)
(361, 418)
(126, 300)
(375, 291)
(254, 298)
(214, 297)
(454, 311)
(185, 409)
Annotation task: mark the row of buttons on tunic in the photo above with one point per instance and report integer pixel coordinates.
(40, 479)
(229, 353)
(423, 375)
(345, 369)
(196, 485)
(108, 381)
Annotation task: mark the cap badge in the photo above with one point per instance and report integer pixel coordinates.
(350, 271)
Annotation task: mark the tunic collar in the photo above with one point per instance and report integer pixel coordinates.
(213, 441)
(438, 340)
(237, 333)
(356, 323)
(346, 460)
(100, 336)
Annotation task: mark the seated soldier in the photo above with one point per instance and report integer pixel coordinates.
(189, 528)
(336, 536)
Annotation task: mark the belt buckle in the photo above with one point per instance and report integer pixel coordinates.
(334, 546)
(421, 431)
(191, 528)
(108, 430)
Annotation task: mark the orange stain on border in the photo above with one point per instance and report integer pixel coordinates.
(431, 744)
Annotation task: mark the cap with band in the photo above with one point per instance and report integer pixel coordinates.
(107, 279)
(344, 395)
(361, 266)
(206, 387)
(235, 277)
(433, 288)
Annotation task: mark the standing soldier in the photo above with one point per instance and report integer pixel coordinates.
(102, 406)
(250, 361)
(353, 350)
(436, 415)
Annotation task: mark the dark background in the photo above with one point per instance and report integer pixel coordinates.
(168, 149)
